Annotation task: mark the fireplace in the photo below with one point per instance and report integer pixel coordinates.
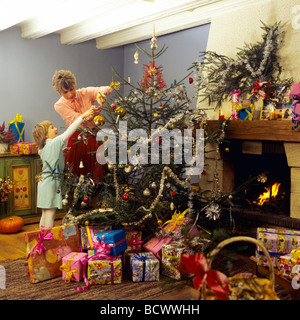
(262, 146)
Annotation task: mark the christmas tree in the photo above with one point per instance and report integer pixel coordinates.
(147, 181)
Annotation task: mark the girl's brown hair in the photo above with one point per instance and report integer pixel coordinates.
(63, 80)
(39, 133)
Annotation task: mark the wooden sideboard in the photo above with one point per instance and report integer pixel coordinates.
(21, 169)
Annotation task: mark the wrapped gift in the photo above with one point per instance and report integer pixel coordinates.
(171, 254)
(87, 234)
(72, 266)
(288, 266)
(155, 244)
(115, 239)
(18, 127)
(106, 270)
(45, 249)
(278, 242)
(144, 266)
(246, 114)
(23, 148)
(134, 241)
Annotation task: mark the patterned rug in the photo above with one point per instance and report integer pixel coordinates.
(18, 287)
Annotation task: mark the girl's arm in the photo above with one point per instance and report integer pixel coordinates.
(73, 127)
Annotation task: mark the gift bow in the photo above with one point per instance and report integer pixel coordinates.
(102, 249)
(39, 247)
(296, 253)
(176, 220)
(198, 265)
(67, 268)
(18, 118)
(235, 91)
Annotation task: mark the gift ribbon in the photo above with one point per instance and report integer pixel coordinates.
(89, 237)
(18, 118)
(134, 243)
(67, 268)
(39, 247)
(142, 258)
(295, 115)
(176, 220)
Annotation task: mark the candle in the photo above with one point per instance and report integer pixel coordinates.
(272, 114)
(221, 116)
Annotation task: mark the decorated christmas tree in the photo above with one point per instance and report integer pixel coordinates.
(148, 178)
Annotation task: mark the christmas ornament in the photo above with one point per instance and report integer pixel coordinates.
(128, 168)
(213, 211)
(155, 115)
(172, 206)
(113, 106)
(136, 57)
(110, 166)
(125, 196)
(147, 192)
(160, 106)
(121, 165)
(99, 120)
(64, 202)
(159, 222)
(115, 85)
(191, 80)
(153, 185)
(85, 199)
(87, 223)
(120, 111)
(81, 164)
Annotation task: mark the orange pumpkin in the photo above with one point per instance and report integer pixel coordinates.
(11, 224)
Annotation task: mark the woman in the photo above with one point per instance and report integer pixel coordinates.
(70, 106)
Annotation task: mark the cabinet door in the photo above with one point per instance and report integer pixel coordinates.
(21, 201)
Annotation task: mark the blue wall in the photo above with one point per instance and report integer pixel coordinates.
(27, 67)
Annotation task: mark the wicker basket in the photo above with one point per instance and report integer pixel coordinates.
(267, 286)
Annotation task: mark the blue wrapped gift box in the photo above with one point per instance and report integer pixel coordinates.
(115, 238)
(18, 127)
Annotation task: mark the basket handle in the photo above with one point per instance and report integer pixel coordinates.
(225, 242)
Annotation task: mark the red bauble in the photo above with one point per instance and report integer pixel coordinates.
(85, 199)
(113, 106)
(191, 80)
(125, 196)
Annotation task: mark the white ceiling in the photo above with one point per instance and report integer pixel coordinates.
(111, 22)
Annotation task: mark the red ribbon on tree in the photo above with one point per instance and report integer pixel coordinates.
(198, 265)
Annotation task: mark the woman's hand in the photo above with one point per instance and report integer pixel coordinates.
(89, 115)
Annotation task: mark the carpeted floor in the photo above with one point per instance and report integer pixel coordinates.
(18, 287)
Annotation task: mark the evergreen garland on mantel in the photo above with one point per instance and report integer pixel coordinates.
(258, 61)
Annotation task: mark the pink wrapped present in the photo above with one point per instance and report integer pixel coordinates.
(72, 267)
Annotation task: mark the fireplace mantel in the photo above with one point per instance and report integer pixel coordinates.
(271, 130)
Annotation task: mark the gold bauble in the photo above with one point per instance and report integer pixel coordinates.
(146, 192)
(99, 120)
(87, 223)
(159, 222)
(120, 111)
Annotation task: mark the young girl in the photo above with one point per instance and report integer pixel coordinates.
(72, 104)
(50, 145)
